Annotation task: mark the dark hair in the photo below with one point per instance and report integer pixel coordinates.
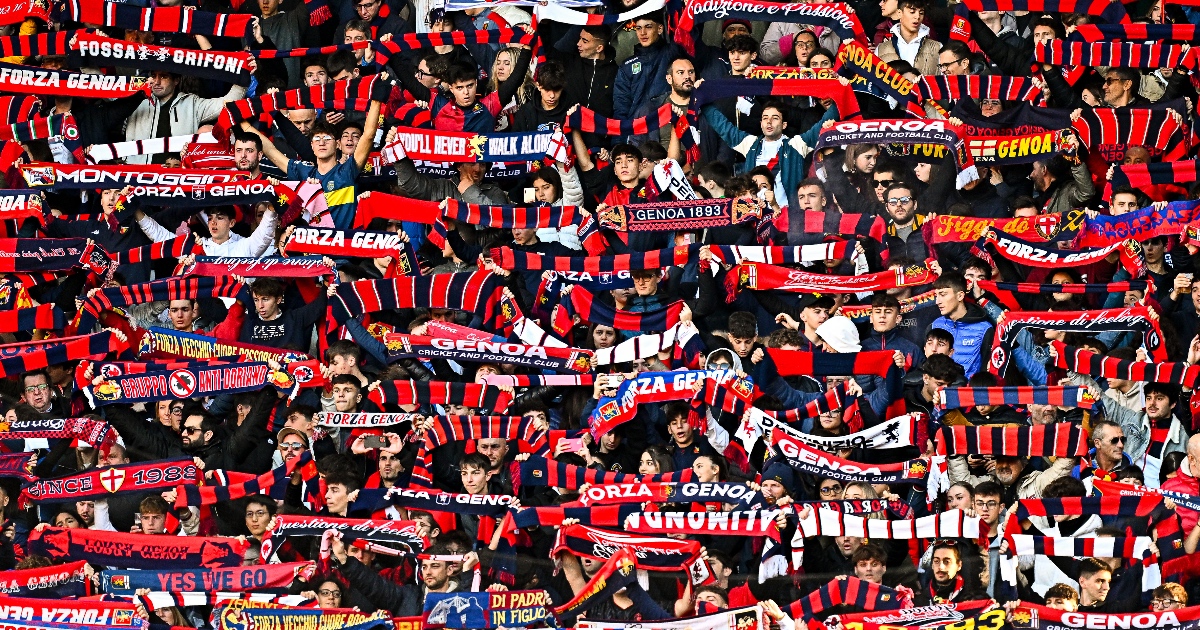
(344, 479)
(246, 136)
(1166, 389)
(764, 171)
(623, 148)
(975, 262)
(989, 488)
(225, 211)
(308, 411)
(743, 325)
(153, 504)
(475, 460)
(983, 378)
(741, 43)
(39, 372)
(653, 150)
(551, 176)
(951, 280)
(957, 48)
(346, 379)
(939, 334)
(898, 186)
(1134, 473)
(948, 544)
(551, 76)
(459, 72)
(1128, 74)
(263, 500)
(676, 409)
(1092, 566)
(653, 16)
(781, 107)
(869, 551)
(600, 32)
(660, 457)
(942, 368)
(1054, 24)
(915, 4)
(781, 337)
(1062, 591)
(343, 348)
(267, 287)
(716, 172)
(883, 300)
(811, 181)
(342, 61)
(1064, 487)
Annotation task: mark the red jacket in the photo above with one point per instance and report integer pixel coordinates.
(1186, 484)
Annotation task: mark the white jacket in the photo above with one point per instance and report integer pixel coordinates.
(187, 112)
(572, 195)
(259, 242)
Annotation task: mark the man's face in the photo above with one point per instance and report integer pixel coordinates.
(911, 18)
(1042, 34)
(1059, 603)
(162, 85)
(739, 60)
(114, 456)
(153, 523)
(299, 422)
(682, 77)
(219, 226)
(949, 63)
(947, 300)
(946, 565)
(811, 198)
(290, 447)
(474, 480)
(647, 31)
(424, 77)
(346, 397)
(86, 511)
(367, 9)
(932, 385)
(812, 317)
(589, 46)
(1039, 176)
(1136, 155)
(937, 346)
(389, 466)
(435, 574)
(1158, 406)
(304, 119)
(246, 156)
(988, 508)
(257, 518)
(495, 449)
(1008, 469)
(1153, 250)
(268, 7)
(1096, 585)
(192, 435)
(901, 205)
(315, 75)
(342, 364)
(870, 570)
(352, 37)
(1122, 203)
(1111, 442)
(772, 128)
(1115, 89)
(772, 490)
(550, 98)
(324, 146)
(847, 545)
(337, 498)
(349, 140)
(742, 345)
(626, 168)
(37, 391)
(805, 44)
(267, 306)
(464, 92)
(680, 430)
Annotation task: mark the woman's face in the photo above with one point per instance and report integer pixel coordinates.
(168, 616)
(329, 595)
(854, 493)
(544, 191)
(820, 62)
(990, 107)
(865, 163)
(830, 490)
(706, 471)
(922, 170)
(832, 420)
(67, 521)
(1156, 13)
(1090, 98)
(503, 67)
(647, 466)
(604, 337)
(958, 498)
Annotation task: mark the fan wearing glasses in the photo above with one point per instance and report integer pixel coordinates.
(1130, 442)
(904, 236)
(38, 392)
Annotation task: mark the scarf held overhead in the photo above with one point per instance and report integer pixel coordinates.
(138, 551)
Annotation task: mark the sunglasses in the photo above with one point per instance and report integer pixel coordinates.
(884, 183)
(1120, 439)
(896, 201)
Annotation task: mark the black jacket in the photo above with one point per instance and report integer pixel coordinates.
(401, 601)
(145, 439)
(229, 450)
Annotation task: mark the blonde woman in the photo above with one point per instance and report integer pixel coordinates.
(502, 68)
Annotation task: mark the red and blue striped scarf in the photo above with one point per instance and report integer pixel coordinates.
(474, 292)
(850, 591)
(1108, 11)
(1088, 362)
(591, 310)
(1056, 440)
(416, 41)
(943, 87)
(188, 288)
(155, 19)
(423, 393)
(1058, 52)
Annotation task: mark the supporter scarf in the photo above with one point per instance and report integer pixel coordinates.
(1035, 255)
(1056, 440)
(16, 465)
(1034, 617)
(374, 204)
(833, 399)
(944, 87)
(319, 51)
(788, 72)
(533, 380)
(335, 95)
(849, 225)
(682, 336)
(837, 17)
(273, 482)
(361, 419)
(423, 393)
(948, 524)
(818, 364)
(775, 255)
(1003, 150)
(652, 553)
(1046, 227)
(558, 359)
(184, 383)
(588, 121)
(841, 95)
(56, 582)
(418, 41)
(41, 128)
(156, 600)
(905, 132)
(177, 247)
(762, 277)
(1139, 225)
(239, 614)
(475, 292)
(1059, 396)
(665, 216)
(27, 255)
(246, 193)
(99, 483)
(1106, 547)
(269, 267)
(174, 343)
(507, 258)
(155, 291)
(94, 432)
(559, 12)
(751, 523)
(894, 433)
(509, 217)
(1091, 7)
(806, 459)
(1134, 318)
(447, 429)
(1145, 175)
(21, 204)
(94, 50)
(344, 243)
(1004, 290)
(274, 578)
(465, 146)
(35, 355)
(494, 505)
(862, 313)
(173, 144)
(859, 506)
(641, 492)
(591, 310)
(401, 534)
(1098, 366)
(1115, 488)
(71, 614)
(157, 20)
(499, 609)
(540, 472)
(1109, 132)
(654, 387)
(1058, 52)
(932, 616)
(42, 316)
(1133, 32)
(611, 516)
(137, 551)
(848, 590)
(616, 574)
(33, 80)
(857, 63)
(89, 176)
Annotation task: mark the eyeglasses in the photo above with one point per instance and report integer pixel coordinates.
(37, 388)
(1120, 439)
(946, 66)
(899, 201)
(884, 183)
(831, 490)
(258, 514)
(1111, 80)
(190, 430)
(327, 592)
(990, 505)
(176, 411)
(291, 446)
(1164, 602)
(322, 138)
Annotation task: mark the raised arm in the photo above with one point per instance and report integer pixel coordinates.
(363, 149)
(275, 155)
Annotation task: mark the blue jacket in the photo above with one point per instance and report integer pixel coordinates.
(972, 338)
(642, 76)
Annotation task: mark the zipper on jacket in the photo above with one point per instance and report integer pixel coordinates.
(592, 83)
